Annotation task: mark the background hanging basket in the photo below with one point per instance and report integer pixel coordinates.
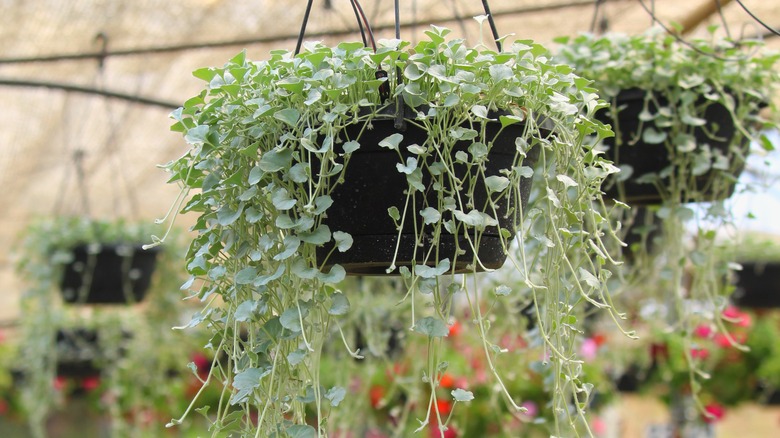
(644, 157)
(108, 274)
(758, 285)
(372, 184)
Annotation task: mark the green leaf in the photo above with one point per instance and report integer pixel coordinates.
(246, 275)
(291, 245)
(452, 99)
(335, 395)
(245, 382)
(589, 278)
(299, 173)
(339, 305)
(500, 72)
(318, 237)
(291, 318)
(245, 310)
(496, 183)
(432, 327)
(509, 120)
(322, 203)
(350, 146)
(336, 274)
(301, 269)
(343, 240)
(276, 160)
(429, 272)
(255, 175)
(766, 143)
(289, 116)
(480, 111)
(462, 395)
(226, 215)
(197, 135)
(503, 290)
(301, 431)
(394, 214)
(296, 357)
(253, 215)
(652, 136)
(411, 164)
(392, 141)
(430, 215)
(281, 199)
(567, 181)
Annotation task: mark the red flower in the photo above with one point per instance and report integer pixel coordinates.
(455, 329)
(60, 383)
(600, 339)
(90, 383)
(435, 432)
(375, 394)
(700, 353)
(713, 412)
(447, 381)
(444, 406)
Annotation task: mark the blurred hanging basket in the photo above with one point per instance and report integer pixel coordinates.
(758, 285)
(655, 157)
(108, 274)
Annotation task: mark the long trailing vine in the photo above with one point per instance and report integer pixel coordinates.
(269, 146)
(690, 94)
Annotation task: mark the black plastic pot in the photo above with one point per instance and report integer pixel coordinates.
(112, 274)
(77, 351)
(645, 158)
(640, 235)
(372, 184)
(758, 285)
(80, 352)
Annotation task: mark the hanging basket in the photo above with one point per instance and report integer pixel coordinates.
(80, 353)
(108, 274)
(373, 184)
(758, 285)
(647, 158)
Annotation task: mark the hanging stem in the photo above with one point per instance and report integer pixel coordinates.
(303, 27)
(492, 24)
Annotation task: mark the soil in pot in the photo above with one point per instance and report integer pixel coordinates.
(113, 274)
(645, 158)
(372, 184)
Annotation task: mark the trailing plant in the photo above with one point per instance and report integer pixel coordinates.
(696, 108)
(112, 342)
(271, 143)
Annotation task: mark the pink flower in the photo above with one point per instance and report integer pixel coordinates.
(703, 331)
(713, 412)
(736, 316)
(589, 349)
(700, 353)
(531, 409)
(59, 383)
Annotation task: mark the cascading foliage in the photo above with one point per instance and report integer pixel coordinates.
(267, 150)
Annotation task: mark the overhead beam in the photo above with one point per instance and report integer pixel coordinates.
(701, 13)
